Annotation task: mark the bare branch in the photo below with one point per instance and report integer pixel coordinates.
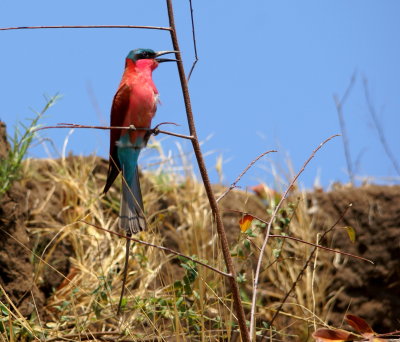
(339, 108)
(194, 41)
(86, 27)
(233, 185)
(307, 263)
(267, 235)
(379, 129)
(303, 241)
(171, 251)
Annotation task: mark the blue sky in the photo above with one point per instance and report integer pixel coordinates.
(265, 79)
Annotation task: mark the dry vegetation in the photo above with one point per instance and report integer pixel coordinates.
(167, 298)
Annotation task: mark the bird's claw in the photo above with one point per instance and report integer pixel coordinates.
(156, 131)
(132, 127)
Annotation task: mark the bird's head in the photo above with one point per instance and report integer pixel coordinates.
(139, 54)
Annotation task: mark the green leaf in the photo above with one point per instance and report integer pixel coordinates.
(179, 301)
(4, 310)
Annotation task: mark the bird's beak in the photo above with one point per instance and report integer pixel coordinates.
(162, 60)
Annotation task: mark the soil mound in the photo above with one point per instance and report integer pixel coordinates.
(366, 290)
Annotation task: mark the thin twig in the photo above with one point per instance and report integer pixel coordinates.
(129, 128)
(379, 129)
(206, 181)
(159, 247)
(196, 59)
(233, 185)
(301, 240)
(86, 27)
(127, 247)
(339, 108)
(322, 247)
(91, 334)
(264, 245)
(307, 263)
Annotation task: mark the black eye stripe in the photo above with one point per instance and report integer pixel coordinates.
(145, 55)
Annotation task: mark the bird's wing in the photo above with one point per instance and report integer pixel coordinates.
(118, 111)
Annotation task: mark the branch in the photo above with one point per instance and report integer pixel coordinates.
(339, 108)
(264, 245)
(154, 130)
(85, 27)
(194, 41)
(171, 251)
(301, 240)
(206, 181)
(378, 127)
(233, 185)
(306, 264)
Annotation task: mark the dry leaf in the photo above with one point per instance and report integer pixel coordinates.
(245, 222)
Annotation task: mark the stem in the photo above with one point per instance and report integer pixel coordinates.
(206, 181)
(267, 235)
(306, 264)
(127, 247)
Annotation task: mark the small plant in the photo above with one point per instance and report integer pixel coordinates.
(10, 167)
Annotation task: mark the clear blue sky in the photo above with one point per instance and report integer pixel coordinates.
(265, 79)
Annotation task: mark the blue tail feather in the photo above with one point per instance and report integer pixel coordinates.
(131, 217)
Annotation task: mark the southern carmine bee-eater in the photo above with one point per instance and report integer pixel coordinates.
(134, 106)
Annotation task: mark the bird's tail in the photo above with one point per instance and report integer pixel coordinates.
(131, 217)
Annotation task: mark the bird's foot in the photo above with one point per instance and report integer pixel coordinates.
(155, 131)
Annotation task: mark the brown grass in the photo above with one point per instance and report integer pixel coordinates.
(164, 300)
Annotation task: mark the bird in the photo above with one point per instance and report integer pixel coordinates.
(134, 105)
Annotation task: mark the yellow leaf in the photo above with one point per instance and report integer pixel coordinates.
(351, 233)
(245, 222)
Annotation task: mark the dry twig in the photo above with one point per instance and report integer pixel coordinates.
(233, 185)
(267, 235)
(339, 108)
(168, 250)
(379, 129)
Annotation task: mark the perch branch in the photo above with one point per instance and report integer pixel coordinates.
(154, 130)
(85, 27)
(206, 181)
